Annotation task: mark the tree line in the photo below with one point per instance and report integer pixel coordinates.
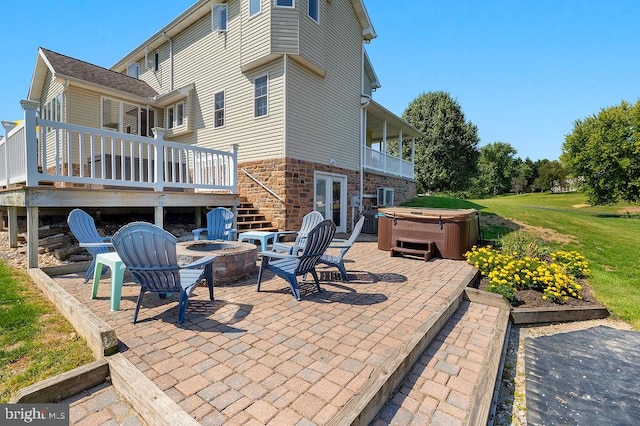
(601, 155)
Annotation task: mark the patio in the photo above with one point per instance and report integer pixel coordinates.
(333, 358)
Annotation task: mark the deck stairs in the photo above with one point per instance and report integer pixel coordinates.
(249, 218)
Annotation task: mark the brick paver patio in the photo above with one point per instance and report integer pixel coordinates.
(258, 358)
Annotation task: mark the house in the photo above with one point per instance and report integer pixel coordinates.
(288, 82)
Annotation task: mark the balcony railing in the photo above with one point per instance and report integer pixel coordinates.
(381, 162)
(39, 150)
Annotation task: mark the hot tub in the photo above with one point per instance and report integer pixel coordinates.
(452, 231)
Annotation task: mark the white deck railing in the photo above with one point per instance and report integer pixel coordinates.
(39, 150)
(379, 161)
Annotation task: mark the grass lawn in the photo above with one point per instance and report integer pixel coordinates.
(36, 342)
(608, 236)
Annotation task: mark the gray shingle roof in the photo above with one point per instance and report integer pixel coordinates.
(85, 71)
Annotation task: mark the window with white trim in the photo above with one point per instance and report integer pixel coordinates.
(219, 17)
(156, 61)
(254, 7)
(176, 115)
(260, 96)
(314, 10)
(133, 71)
(218, 109)
(285, 3)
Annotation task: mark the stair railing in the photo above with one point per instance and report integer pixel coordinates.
(265, 187)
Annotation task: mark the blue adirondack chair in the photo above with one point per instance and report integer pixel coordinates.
(309, 221)
(149, 253)
(343, 246)
(83, 227)
(219, 226)
(302, 260)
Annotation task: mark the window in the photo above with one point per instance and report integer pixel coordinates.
(254, 7)
(125, 117)
(219, 17)
(132, 70)
(156, 61)
(285, 3)
(170, 115)
(314, 10)
(180, 114)
(260, 103)
(176, 115)
(218, 109)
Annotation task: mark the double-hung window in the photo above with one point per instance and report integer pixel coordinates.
(285, 3)
(219, 17)
(260, 96)
(314, 10)
(218, 109)
(254, 7)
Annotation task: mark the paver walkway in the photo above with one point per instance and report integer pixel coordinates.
(259, 358)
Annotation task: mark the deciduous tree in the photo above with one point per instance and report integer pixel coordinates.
(603, 151)
(446, 158)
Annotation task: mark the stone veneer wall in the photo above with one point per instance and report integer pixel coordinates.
(404, 190)
(293, 181)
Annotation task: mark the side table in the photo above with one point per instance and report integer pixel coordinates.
(262, 236)
(113, 261)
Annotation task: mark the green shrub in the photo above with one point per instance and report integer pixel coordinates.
(522, 243)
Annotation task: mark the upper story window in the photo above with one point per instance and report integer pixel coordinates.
(260, 98)
(156, 61)
(133, 71)
(314, 10)
(285, 3)
(218, 109)
(219, 17)
(254, 7)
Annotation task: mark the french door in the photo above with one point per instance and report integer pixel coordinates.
(330, 198)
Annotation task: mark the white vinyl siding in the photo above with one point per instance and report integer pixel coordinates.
(285, 30)
(210, 60)
(314, 38)
(329, 121)
(255, 36)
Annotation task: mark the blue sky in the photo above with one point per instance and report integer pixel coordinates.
(522, 71)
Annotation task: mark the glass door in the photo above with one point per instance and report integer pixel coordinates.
(330, 198)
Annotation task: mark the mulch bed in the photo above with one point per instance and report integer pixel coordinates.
(533, 298)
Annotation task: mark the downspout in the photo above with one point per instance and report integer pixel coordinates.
(364, 102)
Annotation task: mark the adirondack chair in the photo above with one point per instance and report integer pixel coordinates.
(83, 227)
(309, 221)
(219, 226)
(344, 246)
(303, 259)
(149, 253)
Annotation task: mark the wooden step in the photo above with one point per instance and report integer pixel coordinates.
(413, 247)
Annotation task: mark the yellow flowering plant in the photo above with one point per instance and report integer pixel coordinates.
(508, 272)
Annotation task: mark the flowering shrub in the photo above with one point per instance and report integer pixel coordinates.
(508, 273)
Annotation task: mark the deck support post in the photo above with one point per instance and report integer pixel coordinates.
(198, 214)
(1, 221)
(32, 236)
(12, 222)
(159, 215)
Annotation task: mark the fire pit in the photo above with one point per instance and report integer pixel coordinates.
(234, 261)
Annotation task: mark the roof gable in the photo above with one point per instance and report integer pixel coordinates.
(66, 67)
